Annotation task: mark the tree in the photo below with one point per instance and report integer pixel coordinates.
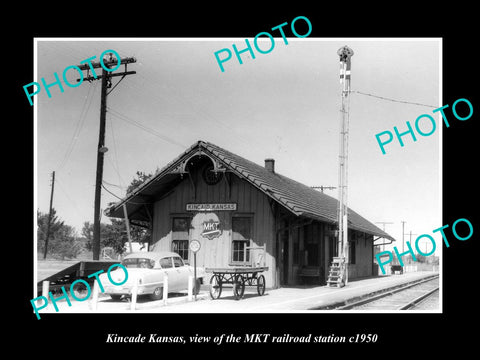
(111, 235)
(115, 235)
(62, 241)
(139, 180)
(140, 233)
(42, 224)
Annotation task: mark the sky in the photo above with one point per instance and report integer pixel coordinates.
(283, 105)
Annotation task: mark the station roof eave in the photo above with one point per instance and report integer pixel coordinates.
(301, 200)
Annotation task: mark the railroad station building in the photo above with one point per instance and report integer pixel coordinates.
(228, 203)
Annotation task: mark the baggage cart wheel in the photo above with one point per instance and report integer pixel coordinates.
(261, 285)
(238, 287)
(215, 287)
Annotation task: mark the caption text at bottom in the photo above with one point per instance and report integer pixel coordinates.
(246, 338)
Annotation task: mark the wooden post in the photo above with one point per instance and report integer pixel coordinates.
(195, 274)
(49, 217)
(290, 277)
(128, 226)
(134, 295)
(165, 288)
(265, 254)
(106, 83)
(99, 171)
(45, 286)
(190, 288)
(93, 302)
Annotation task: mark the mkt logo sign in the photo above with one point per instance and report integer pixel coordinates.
(211, 229)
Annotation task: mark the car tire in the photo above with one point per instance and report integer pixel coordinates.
(157, 294)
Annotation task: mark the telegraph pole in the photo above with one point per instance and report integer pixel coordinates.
(403, 235)
(106, 78)
(411, 238)
(383, 223)
(49, 217)
(322, 187)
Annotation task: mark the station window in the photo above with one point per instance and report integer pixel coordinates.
(241, 236)
(180, 231)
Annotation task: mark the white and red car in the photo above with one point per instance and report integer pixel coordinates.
(149, 269)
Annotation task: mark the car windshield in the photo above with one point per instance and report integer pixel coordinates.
(138, 263)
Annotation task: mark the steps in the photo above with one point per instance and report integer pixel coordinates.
(336, 275)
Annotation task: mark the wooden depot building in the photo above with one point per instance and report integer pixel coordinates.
(228, 203)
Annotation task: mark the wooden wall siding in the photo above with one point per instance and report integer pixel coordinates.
(216, 252)
(266, 224)
(313, 233)
(364, 257)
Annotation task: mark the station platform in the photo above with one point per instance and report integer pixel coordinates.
(282, 300)
(290, 299)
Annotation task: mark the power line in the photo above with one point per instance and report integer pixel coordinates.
(393, 100)
(117, 169)
(197, 109)
(118, 186)
(68, 197)
(111, 193)
(78, 127)
(145, 128)
(118, 197)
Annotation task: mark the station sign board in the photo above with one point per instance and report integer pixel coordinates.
(212, 207)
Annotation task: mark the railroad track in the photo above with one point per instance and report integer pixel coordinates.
(407, 297)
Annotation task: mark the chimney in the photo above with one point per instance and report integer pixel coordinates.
(270, 165)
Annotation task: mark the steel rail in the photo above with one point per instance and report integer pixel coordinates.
(417, 300)
(384, 294)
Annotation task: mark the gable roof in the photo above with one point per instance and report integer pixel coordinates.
(299, 199)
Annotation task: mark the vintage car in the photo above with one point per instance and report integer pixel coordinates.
(149, 269)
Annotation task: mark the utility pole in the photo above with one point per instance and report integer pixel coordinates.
(403, 235)
(321, 187)
(345, 54)
(106, 78)
(383, 223)
(411, 237)
(49, 217)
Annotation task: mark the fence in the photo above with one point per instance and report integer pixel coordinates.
(134, 296)
(413, 267)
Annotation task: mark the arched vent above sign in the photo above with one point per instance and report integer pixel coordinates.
(216, 166)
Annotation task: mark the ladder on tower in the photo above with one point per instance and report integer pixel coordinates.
(336, 275)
